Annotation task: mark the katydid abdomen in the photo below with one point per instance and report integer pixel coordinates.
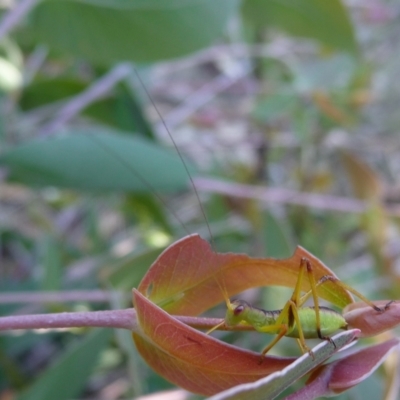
(331, 322)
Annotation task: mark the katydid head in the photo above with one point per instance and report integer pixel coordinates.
(229, 306)
(236, 312)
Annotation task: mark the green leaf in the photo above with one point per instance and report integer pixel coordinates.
(42, 92)
(65, 378)
(148, 210)
(275, 106)
(127, 272)
(120, 109)
(51, 263)
(325, 21)
(141, 30)
(276, 235)
(332, 72)
(93, 160)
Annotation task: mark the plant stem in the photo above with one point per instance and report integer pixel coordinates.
(287, 196)
(123, 319)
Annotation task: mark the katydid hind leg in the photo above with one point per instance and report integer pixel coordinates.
(311, 278)
(338, 282)
(301, 340)
(306, 268)
(314, 285)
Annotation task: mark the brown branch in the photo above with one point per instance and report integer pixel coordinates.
(123, 319)
(199, 98)
(95, 91)
(92, 296)
(15, 15)
(287, 196)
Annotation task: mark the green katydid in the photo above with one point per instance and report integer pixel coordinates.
(293, 320)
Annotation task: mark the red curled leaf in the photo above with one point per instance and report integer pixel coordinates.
(352, 370)
(184, 279)
(191, 359)
(371, 322)
(343, 374)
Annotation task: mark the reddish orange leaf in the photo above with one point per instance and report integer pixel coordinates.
(183, 280)
(343, 374)
(370, 322)
(354, 369)
(191, 359)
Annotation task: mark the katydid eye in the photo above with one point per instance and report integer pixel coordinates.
(238, 310)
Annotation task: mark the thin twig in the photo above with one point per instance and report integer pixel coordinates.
(34, 63)
(96, 91)
(125, 319)
(287, 196)
(93, 296)
(15, 15)
(275, 49)
(199, 98)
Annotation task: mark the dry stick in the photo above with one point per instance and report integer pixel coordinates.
(92, 296)
(199, 98)
(97, 90)
(125, 319)
(15, 15)
(122, 71)
(238, 50)
(34, 63)
(276, 195)
(287, 196)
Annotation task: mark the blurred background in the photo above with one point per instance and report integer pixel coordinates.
(285, 112)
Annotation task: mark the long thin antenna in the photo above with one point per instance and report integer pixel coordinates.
(178, 152)
(128, 166)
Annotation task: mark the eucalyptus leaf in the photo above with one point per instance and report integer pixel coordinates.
(325, 21)
(65, 378)
(96, 160)
(105, 32)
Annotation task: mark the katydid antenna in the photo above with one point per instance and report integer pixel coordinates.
(180, 156)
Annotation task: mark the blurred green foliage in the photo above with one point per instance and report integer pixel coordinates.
(90, 195)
